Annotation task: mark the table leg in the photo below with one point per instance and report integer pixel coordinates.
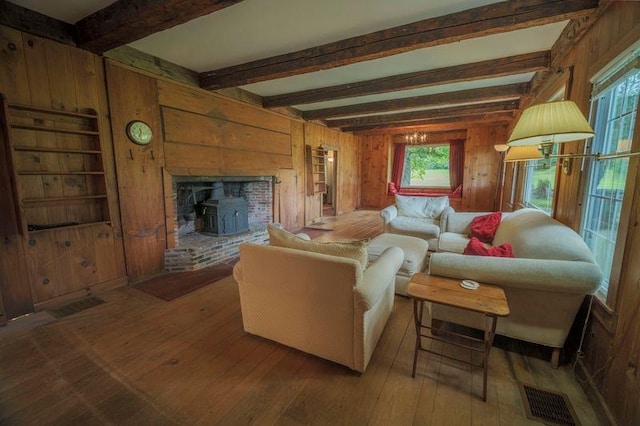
(418, 307)
(488, 342)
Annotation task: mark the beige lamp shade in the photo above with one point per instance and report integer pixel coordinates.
(501, 147)
(523, 153)
(560, 121)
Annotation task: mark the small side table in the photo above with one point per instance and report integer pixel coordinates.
(487, 299)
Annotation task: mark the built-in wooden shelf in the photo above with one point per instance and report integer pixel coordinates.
(316, 170)
(59, 150)
(70, 189)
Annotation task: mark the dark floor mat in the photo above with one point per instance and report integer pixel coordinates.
(75, 307)
(551, 408)
(176, 284)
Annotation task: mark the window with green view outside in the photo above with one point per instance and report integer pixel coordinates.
(539, 184)
(426, 166)
(614, 116)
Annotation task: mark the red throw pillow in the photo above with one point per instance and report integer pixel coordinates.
(476, 248)
(484, 227)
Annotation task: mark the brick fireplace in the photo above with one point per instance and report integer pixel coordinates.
(196, 245)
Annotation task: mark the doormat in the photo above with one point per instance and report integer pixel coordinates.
(548, 407)
(173, 285)
(75, 307)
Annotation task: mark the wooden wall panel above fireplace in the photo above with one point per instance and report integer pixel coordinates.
(194, 128)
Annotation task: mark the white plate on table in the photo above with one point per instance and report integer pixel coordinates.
(469, 284)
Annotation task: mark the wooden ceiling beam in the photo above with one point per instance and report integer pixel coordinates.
(437, 124)
(32, 22)
(455, 111)
(128, 20)
(519, 64)
(492, 93)
(571, 34)
(477, 22)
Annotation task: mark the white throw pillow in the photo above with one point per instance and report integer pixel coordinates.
(435, 206)
(411, 206)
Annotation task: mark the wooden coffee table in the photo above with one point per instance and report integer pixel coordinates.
(487, 299)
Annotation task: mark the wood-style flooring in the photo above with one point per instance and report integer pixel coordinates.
(138, 360)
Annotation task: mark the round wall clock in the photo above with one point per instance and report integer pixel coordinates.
(139, 132)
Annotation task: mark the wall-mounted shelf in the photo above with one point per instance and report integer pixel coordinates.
(56, 166)
(316, 170)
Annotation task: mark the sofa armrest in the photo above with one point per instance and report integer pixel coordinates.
(389, 213)
(378, 277)
(561, 276)
(237, 272)
(444, 217)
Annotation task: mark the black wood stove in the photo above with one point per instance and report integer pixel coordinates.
(225, 215)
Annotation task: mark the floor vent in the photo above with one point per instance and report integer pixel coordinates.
(551, 408)
(75, 307)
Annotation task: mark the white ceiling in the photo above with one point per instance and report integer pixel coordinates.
(257, 29)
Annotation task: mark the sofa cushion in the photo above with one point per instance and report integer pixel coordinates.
(352, 249)
(411, 206)
(435, 206)
(420, 227)
(478, 248)
(452, 242)
(534, 235)
(415, 251)
(423, 207)
(484, 227)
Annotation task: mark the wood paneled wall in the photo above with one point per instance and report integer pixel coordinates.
(50, 266)
(482, 165)
(139, 170)
(348, 184)
(612, 341)
(375, 170)
(482, 168)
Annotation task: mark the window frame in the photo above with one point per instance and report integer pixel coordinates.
(609, 301)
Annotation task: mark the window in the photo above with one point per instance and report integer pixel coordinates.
(540, 182)
(426, 166)
(614, 108)
(540, 176)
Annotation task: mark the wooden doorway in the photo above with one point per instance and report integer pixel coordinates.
(329, 197)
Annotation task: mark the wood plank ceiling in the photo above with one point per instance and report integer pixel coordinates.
(466, 93)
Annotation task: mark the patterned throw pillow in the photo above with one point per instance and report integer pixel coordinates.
(353, 250)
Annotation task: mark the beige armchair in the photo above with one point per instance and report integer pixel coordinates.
(417, 216)
(324, 305)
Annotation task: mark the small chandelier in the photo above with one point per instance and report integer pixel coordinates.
(415, 138)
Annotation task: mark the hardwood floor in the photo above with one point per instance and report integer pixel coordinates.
(137, 360)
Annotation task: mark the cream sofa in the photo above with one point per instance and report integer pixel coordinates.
(545, 283)
(325, 305)
(417, 217)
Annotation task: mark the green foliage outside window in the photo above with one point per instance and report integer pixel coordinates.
(426, 166)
